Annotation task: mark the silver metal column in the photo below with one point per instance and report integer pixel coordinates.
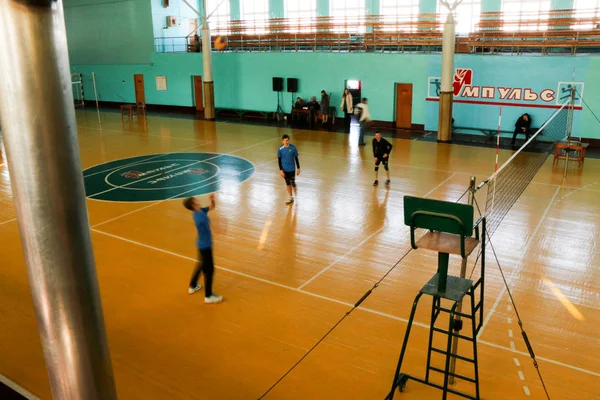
(40, 136)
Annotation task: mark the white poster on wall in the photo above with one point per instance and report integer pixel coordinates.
(161, 83)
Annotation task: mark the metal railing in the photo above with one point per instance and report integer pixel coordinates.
(496, 32)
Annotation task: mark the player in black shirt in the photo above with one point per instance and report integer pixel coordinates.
(381, 151)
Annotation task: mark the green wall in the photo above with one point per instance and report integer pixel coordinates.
(116, 32)
(590, 125)
(244, 80)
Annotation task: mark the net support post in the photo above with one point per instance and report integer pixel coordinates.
(40, 138)
(463, 273)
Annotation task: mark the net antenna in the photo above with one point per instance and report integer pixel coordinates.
(507, 183)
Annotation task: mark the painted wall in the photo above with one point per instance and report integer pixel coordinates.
(537, 76)
(244, 80)
(119, 32)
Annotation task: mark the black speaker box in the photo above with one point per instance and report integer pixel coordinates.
(278, 84)
(292, 85)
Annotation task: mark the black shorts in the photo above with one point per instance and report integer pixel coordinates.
(290, 178)
(382, 160)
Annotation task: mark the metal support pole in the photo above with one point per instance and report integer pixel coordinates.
(209, 86)
(463, 274)
(96, 95)
(445, 113)
(570, 130)
(40, 137)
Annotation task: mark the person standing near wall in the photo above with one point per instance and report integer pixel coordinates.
(364, 117)
(324, 107)
(347, 109)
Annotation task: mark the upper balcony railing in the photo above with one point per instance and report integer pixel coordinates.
(559, 30)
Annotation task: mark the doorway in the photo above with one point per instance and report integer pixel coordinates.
(198, 92)
(404, 92)
(140, 95)
(354, 87)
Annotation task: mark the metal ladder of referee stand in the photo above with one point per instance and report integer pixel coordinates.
(450, 228)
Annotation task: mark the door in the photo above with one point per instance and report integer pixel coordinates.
(354, 87)
(140, 95)
(198, 93)
(404, 105)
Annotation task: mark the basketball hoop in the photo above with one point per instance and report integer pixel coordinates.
(450, 6)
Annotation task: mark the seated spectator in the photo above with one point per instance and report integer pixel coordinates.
(299, 103)
(314, 107)
(522, 126)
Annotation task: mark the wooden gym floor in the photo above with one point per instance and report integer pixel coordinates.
(289, 273)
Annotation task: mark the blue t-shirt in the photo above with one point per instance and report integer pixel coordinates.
(203, 227)
(288, 155)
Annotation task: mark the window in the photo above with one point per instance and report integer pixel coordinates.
(466, 15)
(301, 15)
(525, 15)
(220, 17)
(255, 14)
(349, 15)
(399, 15)
(587, 10)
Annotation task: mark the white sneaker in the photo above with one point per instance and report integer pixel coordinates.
(193, 290)
(290, 200)
(213, 299)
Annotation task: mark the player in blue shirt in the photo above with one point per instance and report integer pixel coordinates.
(289, 166)
(204, 244)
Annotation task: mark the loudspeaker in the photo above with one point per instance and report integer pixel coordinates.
(292, 85)
(278, 84)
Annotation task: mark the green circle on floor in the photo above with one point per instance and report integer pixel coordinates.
(164, 176)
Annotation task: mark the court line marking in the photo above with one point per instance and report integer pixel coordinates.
(155, 155)
(423, 325)
(210, 158)
(135, 133)
(359, 244)
(6, 222)
(177, 196)
(18, 388)
(523, 253)
(585, 188)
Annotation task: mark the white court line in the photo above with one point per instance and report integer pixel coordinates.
(179, 194)
(521, 375)
(357, 246)
(187, 191)
(153, 176)
(141, 161)
(18, 388)
(6, 222)
(341, 258)
(440, 185)
(497, 346)
(523, 253)
(526, 390)
(210, 158)
(135, 133)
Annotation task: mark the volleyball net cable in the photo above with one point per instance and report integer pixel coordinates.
(347, 314)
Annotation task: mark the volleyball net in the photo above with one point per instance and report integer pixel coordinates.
(506, 185)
